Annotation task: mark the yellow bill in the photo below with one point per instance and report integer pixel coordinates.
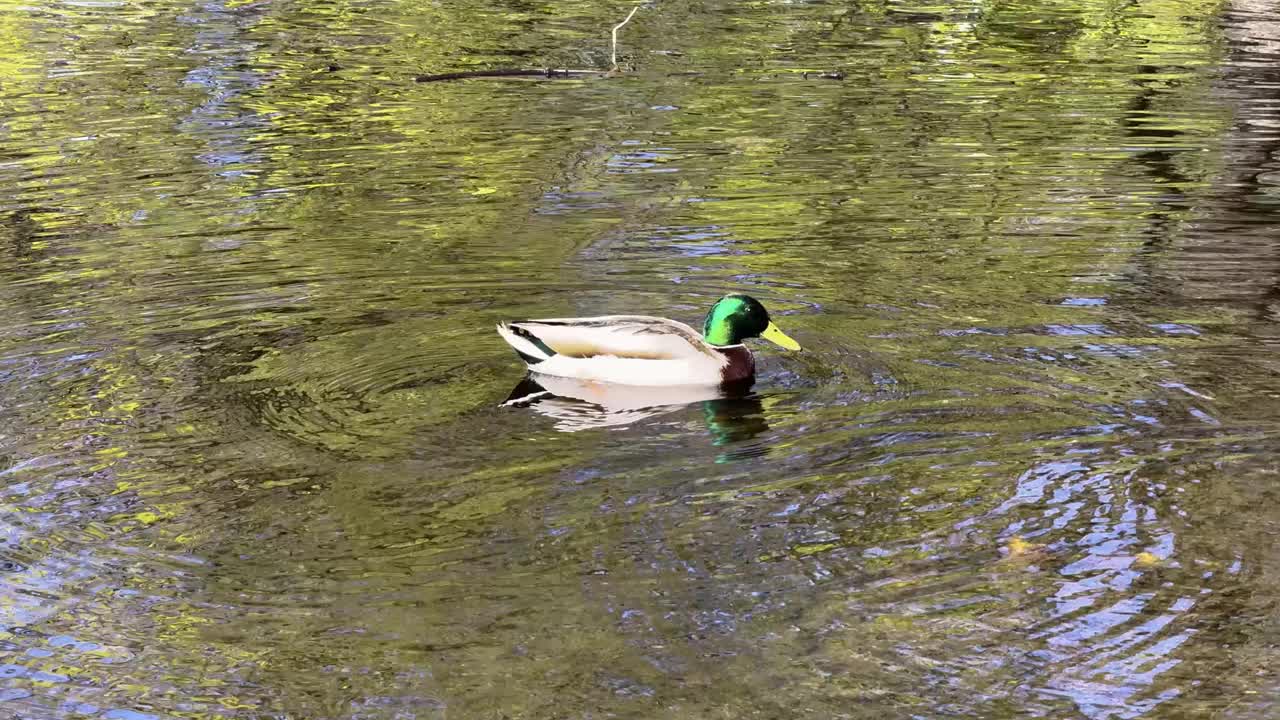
(779, 338)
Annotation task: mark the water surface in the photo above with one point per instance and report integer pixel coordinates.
(254, 459)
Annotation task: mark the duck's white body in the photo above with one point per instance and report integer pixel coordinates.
(625, 350)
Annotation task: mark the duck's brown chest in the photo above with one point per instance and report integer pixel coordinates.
(741, 364)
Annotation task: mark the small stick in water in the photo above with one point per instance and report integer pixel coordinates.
(613, 50)
(528, 72)
(507, 72)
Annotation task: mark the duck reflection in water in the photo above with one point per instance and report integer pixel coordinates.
(733, 413)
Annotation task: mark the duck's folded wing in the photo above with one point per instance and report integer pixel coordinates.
(626, 336)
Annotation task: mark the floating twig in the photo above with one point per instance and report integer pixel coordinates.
(550, 73)
(613, 48)
(507, 72)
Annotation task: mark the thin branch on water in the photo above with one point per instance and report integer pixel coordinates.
(549, 73)
(507, 72)
(613, 49)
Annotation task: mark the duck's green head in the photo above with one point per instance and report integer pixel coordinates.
(735, 318)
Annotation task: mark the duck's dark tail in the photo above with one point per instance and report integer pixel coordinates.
(526, 344)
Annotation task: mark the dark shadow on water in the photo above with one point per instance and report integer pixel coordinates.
(733, 414)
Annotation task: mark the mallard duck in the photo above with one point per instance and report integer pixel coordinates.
(643, 350)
